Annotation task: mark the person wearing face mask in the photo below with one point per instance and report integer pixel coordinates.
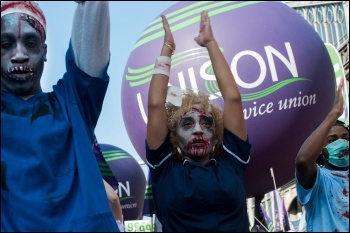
(324, 189)
(197, 153)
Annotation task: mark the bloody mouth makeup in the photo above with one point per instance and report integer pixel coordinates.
(196, 131)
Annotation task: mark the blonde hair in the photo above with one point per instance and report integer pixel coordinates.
(175, 113)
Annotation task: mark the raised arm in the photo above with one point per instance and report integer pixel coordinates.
(305, 162)
(157, 128)
(233, 111)
(91, 36)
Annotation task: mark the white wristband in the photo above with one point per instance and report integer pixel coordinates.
(162, 65)
(120, 226)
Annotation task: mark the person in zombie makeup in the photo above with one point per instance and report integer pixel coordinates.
(197, 153)
(324, 189)
(51, 178)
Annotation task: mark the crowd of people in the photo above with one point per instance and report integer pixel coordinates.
(197, 152)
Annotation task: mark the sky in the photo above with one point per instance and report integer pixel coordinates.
(128, 21)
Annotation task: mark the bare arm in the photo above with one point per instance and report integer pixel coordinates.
(157, 128)
(233, 109)
(114, 202)
(91, 36)
(305, 162)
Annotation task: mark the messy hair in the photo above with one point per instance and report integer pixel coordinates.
(175, 113)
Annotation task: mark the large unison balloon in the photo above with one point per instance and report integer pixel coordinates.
(280, 64)
(131, 179)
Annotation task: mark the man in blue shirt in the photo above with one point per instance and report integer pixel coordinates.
(324, 190)
(51, 178)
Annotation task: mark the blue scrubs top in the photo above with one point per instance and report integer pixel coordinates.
(326, 203)
(51, 178)
(192, 197)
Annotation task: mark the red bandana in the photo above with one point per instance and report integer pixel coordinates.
(25, 7)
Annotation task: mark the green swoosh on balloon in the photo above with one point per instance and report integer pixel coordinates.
(140, 76)
(126, 198)
(212, 88)
(188, 11)
(114, 155)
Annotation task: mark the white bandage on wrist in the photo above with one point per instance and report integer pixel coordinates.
(162, 65)
(120, 225)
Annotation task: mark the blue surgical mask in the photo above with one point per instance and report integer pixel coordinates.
(336, 152)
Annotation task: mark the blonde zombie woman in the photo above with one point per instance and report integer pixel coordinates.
(196, 152)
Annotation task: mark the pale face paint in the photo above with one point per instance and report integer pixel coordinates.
(195, 132)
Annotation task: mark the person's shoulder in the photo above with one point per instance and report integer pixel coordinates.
(336, 173)
(340, 173)
(323, 169)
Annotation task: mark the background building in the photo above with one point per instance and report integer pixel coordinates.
(330, 19)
